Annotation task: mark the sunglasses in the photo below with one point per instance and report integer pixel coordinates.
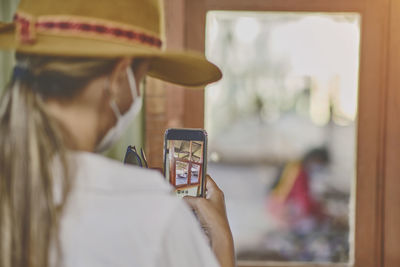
(133, 157)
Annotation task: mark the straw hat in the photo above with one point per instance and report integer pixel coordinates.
(104, 28)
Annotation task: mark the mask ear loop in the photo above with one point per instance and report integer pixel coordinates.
(132, 82)
(113, 103)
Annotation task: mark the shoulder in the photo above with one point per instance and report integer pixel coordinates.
(119, 208)
(99, 172)
(115, 207)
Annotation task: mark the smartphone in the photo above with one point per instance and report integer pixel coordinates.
(185, 161)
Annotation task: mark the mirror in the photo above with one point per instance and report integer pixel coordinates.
(282, 130)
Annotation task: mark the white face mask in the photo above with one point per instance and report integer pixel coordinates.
(123, 120)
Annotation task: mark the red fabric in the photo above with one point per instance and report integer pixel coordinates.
(299, 203)
(81, 27)
(300, 195)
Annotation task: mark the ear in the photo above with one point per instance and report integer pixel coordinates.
(118, 74)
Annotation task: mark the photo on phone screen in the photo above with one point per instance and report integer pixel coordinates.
(184, 166)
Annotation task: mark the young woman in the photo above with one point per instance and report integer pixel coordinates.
(74, 90)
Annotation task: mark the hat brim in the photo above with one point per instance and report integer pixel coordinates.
(184, 68)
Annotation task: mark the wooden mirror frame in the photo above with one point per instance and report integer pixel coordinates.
(377, 190)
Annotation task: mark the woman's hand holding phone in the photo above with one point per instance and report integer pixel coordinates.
(211, 213)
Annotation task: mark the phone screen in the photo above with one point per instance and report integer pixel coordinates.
(184, 166)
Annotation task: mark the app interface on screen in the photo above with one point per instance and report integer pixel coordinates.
(184, 166)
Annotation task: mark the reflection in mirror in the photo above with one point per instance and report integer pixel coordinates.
(282, 126)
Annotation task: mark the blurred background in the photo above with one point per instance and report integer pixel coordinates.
(281, 124)
(282, 130)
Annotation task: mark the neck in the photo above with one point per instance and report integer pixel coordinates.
(79, 123)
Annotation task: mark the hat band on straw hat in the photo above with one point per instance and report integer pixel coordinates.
(28, 26)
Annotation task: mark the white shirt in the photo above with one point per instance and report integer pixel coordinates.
(120, 215)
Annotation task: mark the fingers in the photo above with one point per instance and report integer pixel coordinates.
(215, 197)
(196, 203)
(214, 193)
(191, 201)
(210, 184)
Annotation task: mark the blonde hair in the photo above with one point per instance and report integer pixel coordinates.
(30, 139)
